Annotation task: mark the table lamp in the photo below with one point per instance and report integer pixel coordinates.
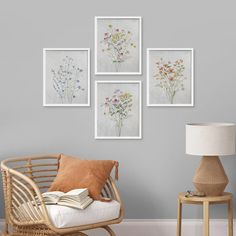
(210, 140)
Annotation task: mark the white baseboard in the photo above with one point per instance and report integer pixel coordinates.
(165, 227)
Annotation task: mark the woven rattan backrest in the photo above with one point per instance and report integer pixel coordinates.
(23, 180)
(42, 170)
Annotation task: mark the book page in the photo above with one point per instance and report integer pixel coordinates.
(56, 193)
(76, 204)
(52, 197)
(76, 191)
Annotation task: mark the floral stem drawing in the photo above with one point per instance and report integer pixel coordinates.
(170, 77)
(118, 108)
(117, 45)
(66, 80)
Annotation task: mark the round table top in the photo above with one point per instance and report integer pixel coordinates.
(223, 197)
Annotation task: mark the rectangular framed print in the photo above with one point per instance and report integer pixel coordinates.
(170, 77)
(66, 77)
(118, 45)
(118, 111)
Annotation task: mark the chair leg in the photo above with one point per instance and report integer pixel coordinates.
(109, 230)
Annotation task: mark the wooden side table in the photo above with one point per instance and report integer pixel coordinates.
(206, 201)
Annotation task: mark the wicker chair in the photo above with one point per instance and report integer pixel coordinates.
(26, 178)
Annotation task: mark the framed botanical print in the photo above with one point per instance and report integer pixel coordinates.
(66, 77)
(118, 45)
(170, 77)
(118, 110)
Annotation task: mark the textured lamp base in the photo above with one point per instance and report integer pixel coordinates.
(210, 176)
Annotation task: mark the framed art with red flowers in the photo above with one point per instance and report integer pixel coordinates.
(118, 46)
(170, 77)
(118, 110)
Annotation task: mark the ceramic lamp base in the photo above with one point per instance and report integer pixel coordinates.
(210, 176)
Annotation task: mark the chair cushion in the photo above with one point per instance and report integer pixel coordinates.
(63, 217)
(76, 173)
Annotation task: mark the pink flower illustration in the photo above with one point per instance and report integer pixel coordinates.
(118, 108)
(118, 45)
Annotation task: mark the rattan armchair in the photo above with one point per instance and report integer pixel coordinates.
(24, 179)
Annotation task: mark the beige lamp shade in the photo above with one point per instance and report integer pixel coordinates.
(210, 139)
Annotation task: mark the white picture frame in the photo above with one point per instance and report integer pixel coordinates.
(138, 112)
(138, 61)
(50, 98)
(189, 99)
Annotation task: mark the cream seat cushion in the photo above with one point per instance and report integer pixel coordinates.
(63, 217)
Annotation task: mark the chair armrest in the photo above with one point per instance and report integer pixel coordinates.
(117, 197)
(20, 194)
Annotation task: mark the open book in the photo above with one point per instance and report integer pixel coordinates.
(76, 198)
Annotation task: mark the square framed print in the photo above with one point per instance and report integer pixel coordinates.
(66, 77)
(170, 77)
(118, 45)
(118, 110)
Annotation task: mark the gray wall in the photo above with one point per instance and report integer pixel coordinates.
(153, 170)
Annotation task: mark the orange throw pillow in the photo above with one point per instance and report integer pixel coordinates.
(76, 173)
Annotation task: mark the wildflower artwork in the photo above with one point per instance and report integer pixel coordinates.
(170, 77)
(117, 45)
(118, 110)
(66, 77)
